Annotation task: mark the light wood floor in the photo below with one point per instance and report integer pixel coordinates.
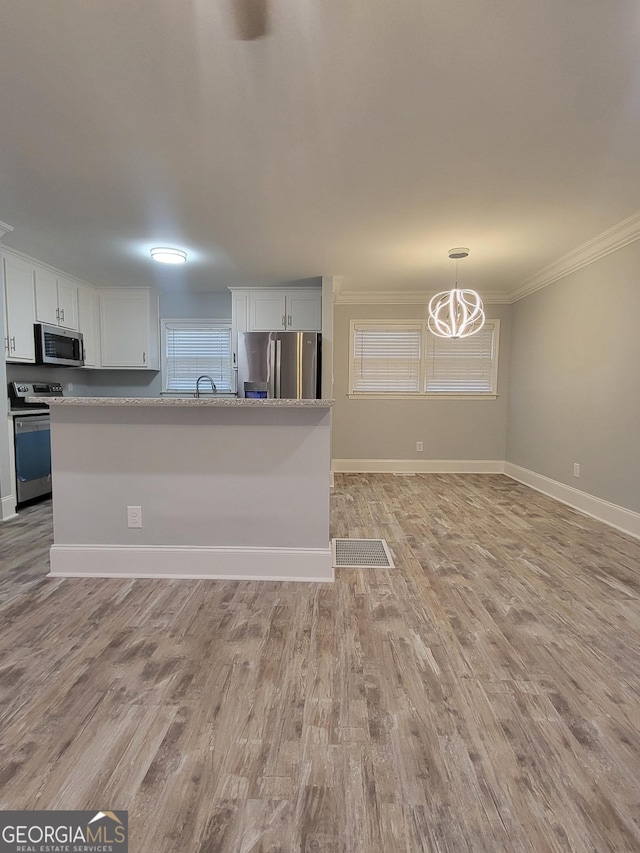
(482, 696)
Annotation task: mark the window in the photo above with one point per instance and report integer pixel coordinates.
(192, 348)
(462, 365)
(399, 359)
(386, 358)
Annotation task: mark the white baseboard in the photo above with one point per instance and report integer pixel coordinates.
(8, 507)
(418, 466)
(616, 516)
(312, 565)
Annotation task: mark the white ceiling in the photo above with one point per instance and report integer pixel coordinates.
(361, 138)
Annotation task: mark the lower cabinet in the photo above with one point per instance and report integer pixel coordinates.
(129, 328)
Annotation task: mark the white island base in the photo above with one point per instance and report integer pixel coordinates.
(227, 488)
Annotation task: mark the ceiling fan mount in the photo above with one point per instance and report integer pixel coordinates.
(251, 19)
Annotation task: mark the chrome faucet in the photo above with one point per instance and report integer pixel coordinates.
(214, 390)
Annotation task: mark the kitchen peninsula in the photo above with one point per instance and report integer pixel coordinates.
(223, 488)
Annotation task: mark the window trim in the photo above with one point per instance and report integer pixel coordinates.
(421, 395)
(224, 323)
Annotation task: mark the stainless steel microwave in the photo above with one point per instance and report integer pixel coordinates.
(58, 346)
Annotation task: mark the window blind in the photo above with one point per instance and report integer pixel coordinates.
(386, 358)
(194, 349)
(399, 357)
(463, 365)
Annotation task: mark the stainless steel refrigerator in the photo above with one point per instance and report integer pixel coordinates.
(279, 364)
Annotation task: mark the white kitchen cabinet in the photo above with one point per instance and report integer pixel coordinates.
(304, 311)
(293, 310)
(88, 324)
(68, 303)
(56, 299)
(239, 323)
(19, 309)
(129, 328)
(269, 309)
(267, 312)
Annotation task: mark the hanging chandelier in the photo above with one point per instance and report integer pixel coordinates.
(456, 313)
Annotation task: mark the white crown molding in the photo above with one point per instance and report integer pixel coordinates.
(617, 237)
(5, 229)
(609, 241)
(337, 285)
(9, 250)
(405, 297)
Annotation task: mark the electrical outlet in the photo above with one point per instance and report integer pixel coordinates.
(134, 516)
(419, 446)
(576, 469)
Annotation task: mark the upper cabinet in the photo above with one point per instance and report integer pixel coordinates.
(295, 310)
(56, 299)
(19, 309)
(270, 309)
(129, 328)
(120, 326)
(88, 324)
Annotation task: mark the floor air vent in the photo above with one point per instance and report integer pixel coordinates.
(361, 554)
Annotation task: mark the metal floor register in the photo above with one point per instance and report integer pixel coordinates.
(361, 554)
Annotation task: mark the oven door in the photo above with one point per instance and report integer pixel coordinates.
(32, 439)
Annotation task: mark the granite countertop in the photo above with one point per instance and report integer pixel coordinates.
(207, 402)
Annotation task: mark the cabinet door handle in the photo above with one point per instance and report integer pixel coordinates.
(13, 344)
(144, 358)
(284, 321)
(289, 321)
(6, 344)
(57, 313)
(62, 312)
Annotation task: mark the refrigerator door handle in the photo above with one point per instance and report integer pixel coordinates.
(278, 367)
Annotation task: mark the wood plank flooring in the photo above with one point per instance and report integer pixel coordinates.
(482, 696)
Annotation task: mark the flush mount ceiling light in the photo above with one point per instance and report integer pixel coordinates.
(456, 313)
(164, 255)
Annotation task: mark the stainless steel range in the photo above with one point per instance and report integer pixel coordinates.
(32, 438)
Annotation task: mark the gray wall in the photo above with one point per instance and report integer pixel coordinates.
(575, 380)
(389, 429)
(81, 382)
(214, 306)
